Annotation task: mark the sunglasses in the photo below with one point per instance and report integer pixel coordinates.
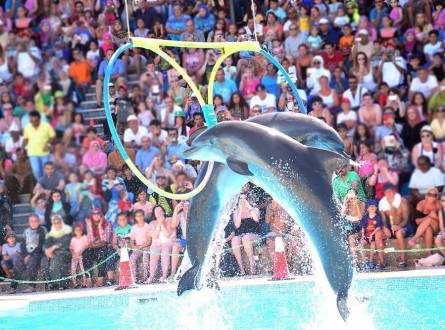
(425, 135)
(317, 62)
(431, 195)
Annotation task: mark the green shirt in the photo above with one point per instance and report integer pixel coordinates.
(341, 187)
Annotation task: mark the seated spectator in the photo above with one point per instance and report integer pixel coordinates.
(427, 220)
(343, 132)
(366, 163)
(372, 234)
(327, 94)
(248, 230)
(440, 238)
(91, 135)
(438, 125)
(132, 183)
(56, 205)
(12, 263)
(95, 159)
(156, 134)
(204, 20)
(140, 241)
(427, 147)
(57, 253)
(177, 22)
(424, 177)
(370, 113)
(163, 234)
(78, 245)
(382, 176)
(99, 237)
(347, 117)
(19, 178)
(172, 149)
(156, 199)
(314, 73)
(345, 181)
(411, 128)
(395, 211)
(134, 133)
(50, 181)
(362, 70)
(320, 111)
(355, 93)
(115, 158)
(266, 101)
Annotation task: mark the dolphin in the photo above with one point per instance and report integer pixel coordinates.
(206, 208)
(297, 176)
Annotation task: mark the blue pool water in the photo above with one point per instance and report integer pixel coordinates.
(392, 303)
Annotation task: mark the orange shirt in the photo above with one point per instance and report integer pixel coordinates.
(80, 72)
(345, 44)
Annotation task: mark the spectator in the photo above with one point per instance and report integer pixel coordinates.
(176, 22)
(266, 101)
(57, 253)
(38, 137)
(352, 211)
(172, 149)
(372, 234)
(12, 263)
(355, 93)
(424, 177)
(346, 180)
(95, 159)
(427, 147)
(179, 221)
(224, 87)
(424, 83)
(140, 241)
(78, 245)
(50, 181)
(395, 211)
(143, 204)
(134, 133)
(56, 205)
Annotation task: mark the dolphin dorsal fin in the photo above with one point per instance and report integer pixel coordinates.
(238, 167)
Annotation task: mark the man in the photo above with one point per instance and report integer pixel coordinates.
(377, 13)
(38, 138)
(28, 59)
(145, 155)
(363, 44)
(277, 10)
(176, 23)
(80, 71)
(434, 46)
(389, 125)
(424, 83)
(146, 13)
(117, 72)
(134, 133)
(266, 101)
(50, 181)
(172, 149)
(423, 178)
(293, 42)
(270, 79)
(355, 93)
(19, 179)
(346, 180)
(115, 159)
(392, 68)
(332, 57)
(327, 33)
(395, 213)
(156, 134)
(197, 35)
(224, 87)
(168, 112)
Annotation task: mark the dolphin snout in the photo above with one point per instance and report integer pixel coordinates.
(189, 152)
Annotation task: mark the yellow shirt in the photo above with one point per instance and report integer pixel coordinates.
(438, 129)
(38, 138)
(304, 23)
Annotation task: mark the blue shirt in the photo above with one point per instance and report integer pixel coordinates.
(174, 150)
(373, 15)
(270, 82)
(145, 157)
(204, 24)
(118, 68)
(176, 23)
(225, 89)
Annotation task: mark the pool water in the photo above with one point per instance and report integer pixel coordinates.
(389, 303)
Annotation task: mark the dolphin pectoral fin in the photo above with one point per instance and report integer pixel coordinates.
(238, 167)
(342, 306)
(189, 280)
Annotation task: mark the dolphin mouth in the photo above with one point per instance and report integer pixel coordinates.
(189, 152)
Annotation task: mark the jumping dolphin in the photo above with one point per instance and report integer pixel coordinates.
(206, 208)
(298, 177)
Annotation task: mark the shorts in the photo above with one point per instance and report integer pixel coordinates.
(352, 228)
(7, 263)
(408, 229)
(182, 243)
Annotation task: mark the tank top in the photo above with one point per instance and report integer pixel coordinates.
(328, 100)
(368, 82)
(430, 154)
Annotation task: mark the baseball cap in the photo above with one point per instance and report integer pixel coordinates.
(323, 20)
(180, 114)
(389, 186)
(426, 128)
(345, 100)
(132, 117)
(371, 202)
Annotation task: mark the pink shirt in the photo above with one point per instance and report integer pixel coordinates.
(139, 234)
(147, 208)
(79, 244)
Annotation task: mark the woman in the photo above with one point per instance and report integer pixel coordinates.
(319, 111)
(428, 220)
(411, 128)
(303, 63)
(57, 205)
(365, 24)
(396, 14)
(315, 72)
(99, 237)
(248, 230)
(361, 134)
(438, 125)
(366, 160)
(338, 81)
(95, 159)
(387, 31)
(382, 175)
(411, 47)
(6, 67)
(193, 60)
(238, 107)
(361, 68)
(179, 221)
(421, 103)
(118, 33)
(143, 204)
(393, 100)
(57, 252)
(273, 25)
(163, 234)
(327, 94)
(427, 147)
(181, 126)
(352, 210)
(370, 113)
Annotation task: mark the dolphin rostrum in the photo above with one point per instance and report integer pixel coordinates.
(297, 176)
(206, 208)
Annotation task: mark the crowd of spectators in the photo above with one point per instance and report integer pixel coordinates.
(373, 70)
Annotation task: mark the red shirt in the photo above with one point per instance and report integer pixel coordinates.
(331, 62)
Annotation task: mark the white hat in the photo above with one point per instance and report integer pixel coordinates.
(132, 117)
(323, 20)
(14, 127)
(363, 31)
(426, 128)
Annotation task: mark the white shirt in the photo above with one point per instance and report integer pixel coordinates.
(356, 101)
(26, 65)
(129, 136)
(268, 102)
(431, 49)
(423, 181)
(11, 146)
(171, 115)
(350, 116)
(391, 75)
(162, 137)
(426, 87)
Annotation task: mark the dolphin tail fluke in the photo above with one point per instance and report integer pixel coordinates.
(188, 280)
(342, 305)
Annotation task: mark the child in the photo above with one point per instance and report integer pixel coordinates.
(121, 233)
(372, 235)
(78, 245)
(230, 71)
(78, 129)
(72, 193)
(314, 40)
(140, 241)
(12, 263)
(143, 204)
(34, 237)
(39, 207)
(124, 203)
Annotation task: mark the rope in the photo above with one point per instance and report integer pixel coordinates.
(128, 19)
(393, 250)
(254, 22)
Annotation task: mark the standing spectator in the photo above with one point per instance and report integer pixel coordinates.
(38, 137)
(372, 234)
(12, 263)
(78, 245)
(140, 239)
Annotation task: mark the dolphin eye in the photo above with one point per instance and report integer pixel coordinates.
(212, 140)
